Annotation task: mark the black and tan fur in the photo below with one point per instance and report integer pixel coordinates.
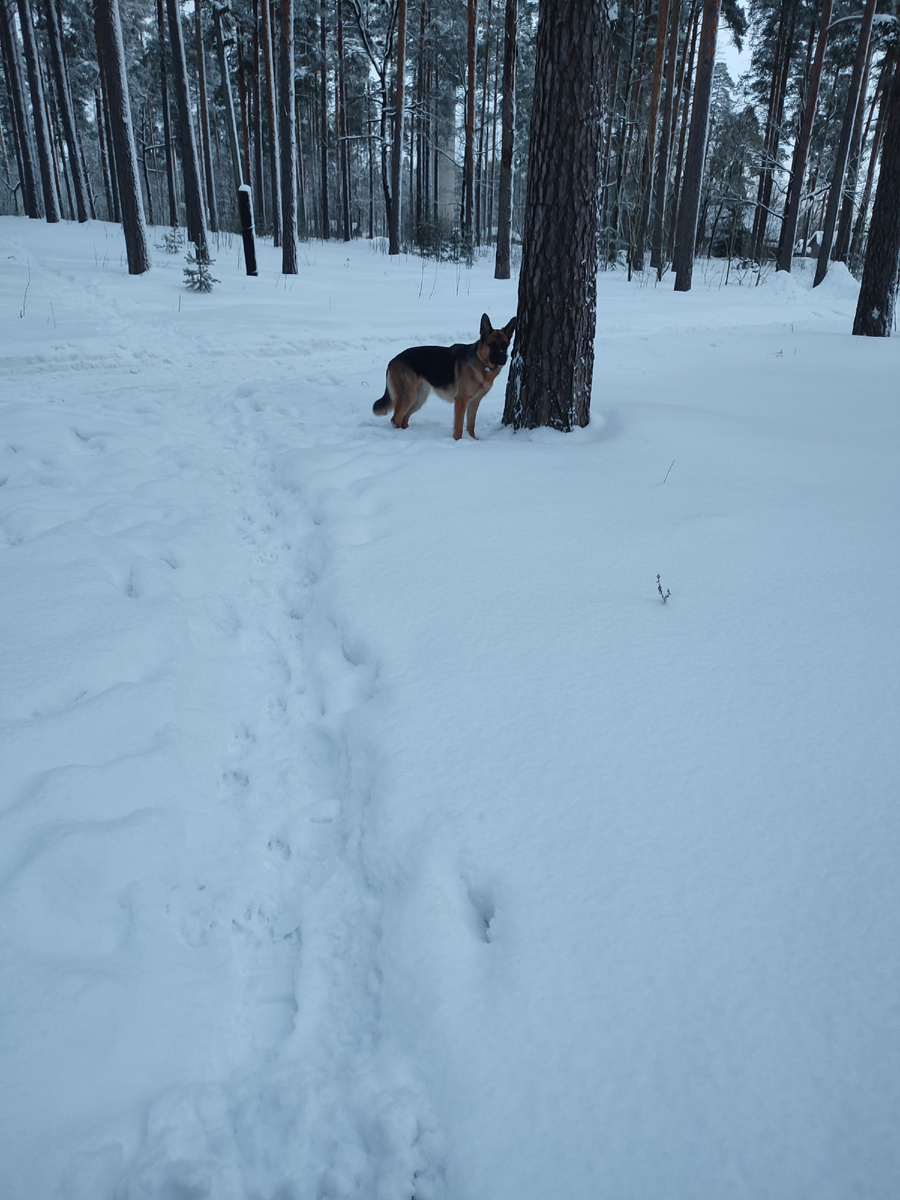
(461, 374)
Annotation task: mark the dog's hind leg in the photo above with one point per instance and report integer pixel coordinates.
(422, 393)
(405, 386)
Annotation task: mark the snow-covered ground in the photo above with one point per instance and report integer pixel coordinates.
(370, 827)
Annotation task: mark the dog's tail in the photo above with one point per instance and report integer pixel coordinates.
(384, 405)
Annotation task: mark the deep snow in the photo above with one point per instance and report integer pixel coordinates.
(368, 825)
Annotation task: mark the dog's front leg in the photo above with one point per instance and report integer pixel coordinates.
(460, 404)
(472, 414)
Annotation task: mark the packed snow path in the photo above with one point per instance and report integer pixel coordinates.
(368, 826)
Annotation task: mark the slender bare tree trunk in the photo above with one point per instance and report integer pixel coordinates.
(394, 215)
(343, 131)
(190, 167)
(857, 246)
(684, 103)
(323, 120)
(274, 170)
(109, 37)
(66, 109)
(646, 195)
(205, 139)
(661, 186)
(468, 197)
(30, 192)
(801, 146)
(287, 136)
(166, 113)
(777, 92)
(842, 242)
(840, 160)
(689, 201)
(507, 139)
(39, 113)
(259, 182)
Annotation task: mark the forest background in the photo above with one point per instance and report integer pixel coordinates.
(418, 114)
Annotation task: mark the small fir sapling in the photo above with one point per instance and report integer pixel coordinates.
(173, 240)
(197, 275)
(665, 594)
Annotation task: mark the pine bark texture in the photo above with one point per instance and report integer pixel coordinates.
(552, 364)
(109, 36)
(881, 271)
(689, 199)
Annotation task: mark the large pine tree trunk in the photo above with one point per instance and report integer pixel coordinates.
(397, 140)
(801, 146)
(190, 167)
(881, 271)
(552, 365)
(689, 200)
(109, 37)
(287, 138)
(840, 160)
(507, 139)
(39, 113)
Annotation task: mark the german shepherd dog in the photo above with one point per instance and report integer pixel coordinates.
(461, 374)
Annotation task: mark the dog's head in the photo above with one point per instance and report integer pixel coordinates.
(493, 344)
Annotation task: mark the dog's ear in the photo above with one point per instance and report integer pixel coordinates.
(510, 328)
(486, 326)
